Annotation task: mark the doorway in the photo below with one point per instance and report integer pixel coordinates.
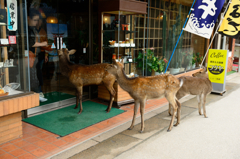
(66, 23)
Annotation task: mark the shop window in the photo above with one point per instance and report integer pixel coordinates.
(13, 53)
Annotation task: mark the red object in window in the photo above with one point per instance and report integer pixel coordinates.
(12, 39)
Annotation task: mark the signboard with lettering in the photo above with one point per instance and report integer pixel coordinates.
(217, 68)
(3, 16)
(12, 39)
(12, 15)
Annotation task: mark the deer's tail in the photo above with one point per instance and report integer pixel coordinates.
(181, 81)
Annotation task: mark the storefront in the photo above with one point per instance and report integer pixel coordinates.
(135, 31)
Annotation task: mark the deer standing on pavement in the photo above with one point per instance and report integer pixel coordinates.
(84, 75)
(143, 88)
(198, 85)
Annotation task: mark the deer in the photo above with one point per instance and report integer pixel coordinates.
(198, 85)
(143, 88)
(85, 75)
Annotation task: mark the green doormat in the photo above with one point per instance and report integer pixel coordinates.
(66, 120)
(231, 72)
(55, 97)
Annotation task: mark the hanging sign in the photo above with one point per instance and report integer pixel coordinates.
(3, 17)
(203, 17)
(217, 68)
(231, 23)
(12, 15)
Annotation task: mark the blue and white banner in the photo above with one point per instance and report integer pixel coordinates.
(203, 17)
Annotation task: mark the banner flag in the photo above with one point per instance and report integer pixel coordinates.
(231, 23)
(203, 17)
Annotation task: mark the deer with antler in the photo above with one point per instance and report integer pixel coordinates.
(198, 85)
(143, 88)
(85, 75)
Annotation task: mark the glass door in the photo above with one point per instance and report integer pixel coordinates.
(64, 24)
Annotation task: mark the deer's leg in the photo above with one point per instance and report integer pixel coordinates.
(169, 109)
(80, 90)
(199, 104)
(178, 112)
(171, 100)
(112, 95)
(136, 105)
(77, 100)
(204, 102)
(142, 108)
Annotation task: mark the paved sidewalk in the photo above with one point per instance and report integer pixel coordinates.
(196, 137)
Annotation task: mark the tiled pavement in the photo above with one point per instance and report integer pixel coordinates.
(39, 143)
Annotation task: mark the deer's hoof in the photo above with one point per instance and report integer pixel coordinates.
(75, 107)
(168, 130)
(79, 112)
(170, 114)
(130, 128)
(141, 131)
(205, 116)
(175, 125)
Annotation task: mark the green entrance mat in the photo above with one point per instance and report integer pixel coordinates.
(55, 97)
(231, 72)
(66, 120)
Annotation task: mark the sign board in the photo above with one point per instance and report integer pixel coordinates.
(217, 69)
(12, 39)
(12, 15)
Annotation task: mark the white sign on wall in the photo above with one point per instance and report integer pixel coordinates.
(12, 15)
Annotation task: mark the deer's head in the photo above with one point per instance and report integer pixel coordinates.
(65, 52)
(202, 73)
(114, 67)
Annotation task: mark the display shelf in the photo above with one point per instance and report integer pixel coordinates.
(118, 23)
(6, 45)
(112, 47)
(126, 31)
(7, 66)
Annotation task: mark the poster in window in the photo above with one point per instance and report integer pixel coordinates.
(3, 17)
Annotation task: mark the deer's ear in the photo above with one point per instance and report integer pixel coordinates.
(60, 52)
(114, 61)
(121, 61)
(205, 69)
(72, 52)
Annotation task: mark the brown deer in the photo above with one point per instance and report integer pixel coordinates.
(143, 88)
(84, 75)
(198, 85)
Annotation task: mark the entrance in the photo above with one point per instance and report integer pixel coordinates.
(66, 23)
